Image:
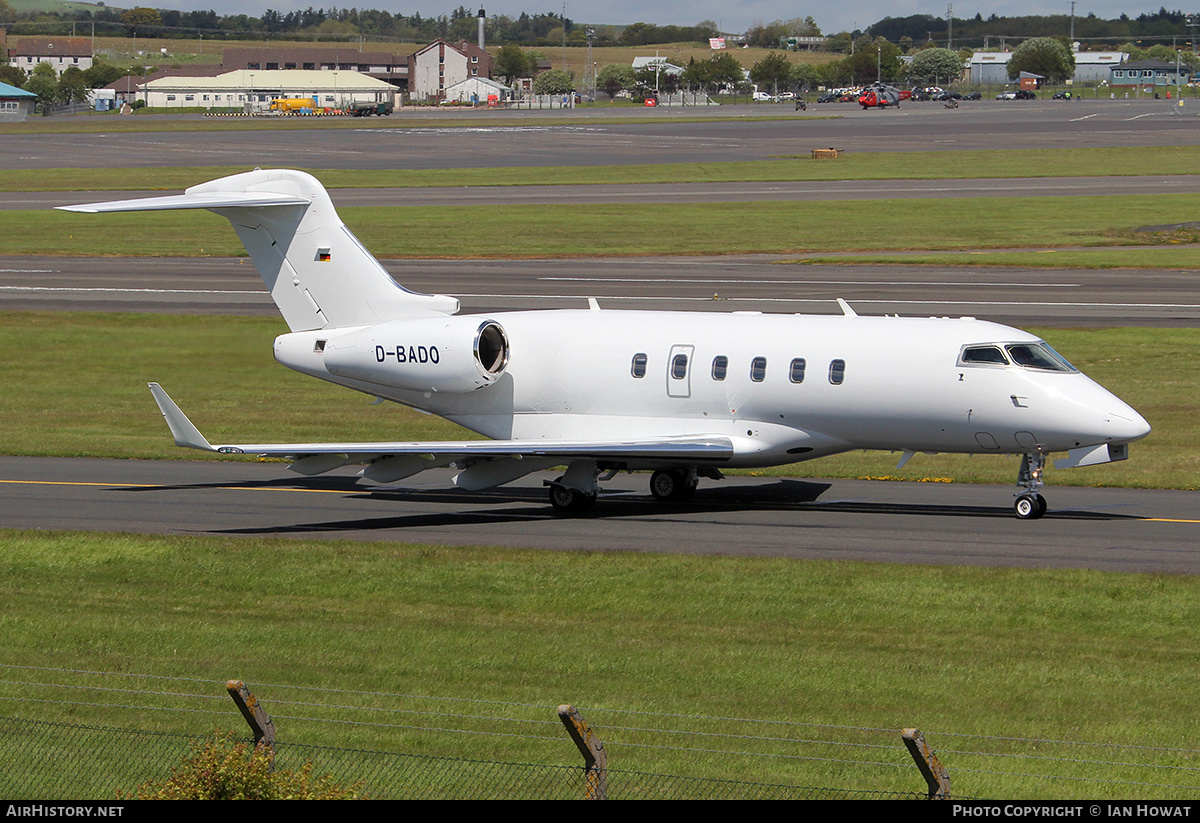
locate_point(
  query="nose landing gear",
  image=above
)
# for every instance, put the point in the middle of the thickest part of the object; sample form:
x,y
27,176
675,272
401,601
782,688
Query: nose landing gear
x,y
1030,505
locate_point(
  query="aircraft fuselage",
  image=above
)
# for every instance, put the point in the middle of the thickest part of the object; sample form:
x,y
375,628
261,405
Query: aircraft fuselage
x,y
784,388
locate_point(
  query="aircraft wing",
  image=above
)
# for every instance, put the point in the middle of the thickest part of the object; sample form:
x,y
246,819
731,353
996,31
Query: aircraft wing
x,y
404,458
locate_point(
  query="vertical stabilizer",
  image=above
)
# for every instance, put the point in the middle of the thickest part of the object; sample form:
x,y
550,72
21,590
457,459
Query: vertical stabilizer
x,y
318,273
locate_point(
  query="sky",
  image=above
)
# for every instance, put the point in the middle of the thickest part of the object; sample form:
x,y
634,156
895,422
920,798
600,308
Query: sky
x,y
730,15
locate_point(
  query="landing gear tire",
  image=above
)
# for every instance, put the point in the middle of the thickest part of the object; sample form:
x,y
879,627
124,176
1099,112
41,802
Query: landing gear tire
x,y
570,501
1029,506
671,486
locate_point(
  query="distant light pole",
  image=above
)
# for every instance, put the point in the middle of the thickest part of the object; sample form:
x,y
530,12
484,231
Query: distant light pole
x,y
590,31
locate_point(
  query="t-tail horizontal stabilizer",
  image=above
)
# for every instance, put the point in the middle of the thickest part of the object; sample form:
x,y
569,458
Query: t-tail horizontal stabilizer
x,y
319,274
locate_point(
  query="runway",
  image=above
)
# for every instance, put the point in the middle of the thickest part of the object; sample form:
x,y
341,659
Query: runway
x,y
927,523
444,140
1016,296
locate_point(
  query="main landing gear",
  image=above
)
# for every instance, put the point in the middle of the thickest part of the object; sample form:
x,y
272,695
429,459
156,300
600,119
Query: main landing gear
x,y
673,485
1030,505
569,501
575,492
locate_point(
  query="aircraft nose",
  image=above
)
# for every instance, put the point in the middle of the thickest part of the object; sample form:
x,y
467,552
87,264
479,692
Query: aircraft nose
x,y
1126,425
1102,417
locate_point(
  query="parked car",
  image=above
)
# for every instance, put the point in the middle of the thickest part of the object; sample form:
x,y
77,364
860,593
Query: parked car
x,y
786,95
972,95
1007,95
1025,94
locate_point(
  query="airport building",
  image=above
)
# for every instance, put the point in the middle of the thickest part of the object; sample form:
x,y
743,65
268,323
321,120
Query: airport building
x,y
60,53
991,67
15,104
1094,66
1147,73
440,65
478,90
387,66
254,90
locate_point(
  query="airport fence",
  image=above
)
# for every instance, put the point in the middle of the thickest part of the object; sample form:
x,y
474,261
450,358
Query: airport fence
x,y
61,761
90,735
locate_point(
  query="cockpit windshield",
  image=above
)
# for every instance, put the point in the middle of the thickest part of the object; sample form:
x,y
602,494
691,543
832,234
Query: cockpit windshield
x,y
1028,355
1037,356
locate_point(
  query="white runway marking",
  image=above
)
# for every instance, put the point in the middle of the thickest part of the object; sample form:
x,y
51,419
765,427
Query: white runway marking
x,y
854,300
702,281
128,291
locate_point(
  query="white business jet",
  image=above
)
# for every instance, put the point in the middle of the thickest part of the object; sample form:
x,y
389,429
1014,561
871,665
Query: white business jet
x,y
681,394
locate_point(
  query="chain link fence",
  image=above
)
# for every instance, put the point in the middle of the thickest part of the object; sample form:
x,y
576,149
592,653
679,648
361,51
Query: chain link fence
x,y
60,761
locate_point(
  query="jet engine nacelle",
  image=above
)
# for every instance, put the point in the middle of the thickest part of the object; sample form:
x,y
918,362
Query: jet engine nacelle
x,y
441,354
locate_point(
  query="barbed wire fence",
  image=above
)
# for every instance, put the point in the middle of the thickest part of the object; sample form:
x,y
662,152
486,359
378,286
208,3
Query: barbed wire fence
x,y
70,734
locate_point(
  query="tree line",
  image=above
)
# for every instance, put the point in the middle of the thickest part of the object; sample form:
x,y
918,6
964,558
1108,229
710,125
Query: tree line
x,y
552,29
543,28
977,30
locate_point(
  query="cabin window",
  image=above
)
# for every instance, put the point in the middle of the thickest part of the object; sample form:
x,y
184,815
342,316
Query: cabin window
x,y
758,369
837,372
679,366
720,367
796,372
639,365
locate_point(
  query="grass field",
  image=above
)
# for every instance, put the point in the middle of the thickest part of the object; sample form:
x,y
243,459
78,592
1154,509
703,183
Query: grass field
x,y
1076,162
1053,655
601,230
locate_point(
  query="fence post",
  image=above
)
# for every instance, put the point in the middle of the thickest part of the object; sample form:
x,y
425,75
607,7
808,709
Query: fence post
x,y
260,722
595,759
931,768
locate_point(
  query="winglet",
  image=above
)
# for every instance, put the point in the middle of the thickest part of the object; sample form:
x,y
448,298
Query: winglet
x,y
184,432
846,310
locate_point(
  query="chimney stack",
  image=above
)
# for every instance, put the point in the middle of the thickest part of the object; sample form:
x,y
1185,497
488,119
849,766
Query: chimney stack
x,y
482,17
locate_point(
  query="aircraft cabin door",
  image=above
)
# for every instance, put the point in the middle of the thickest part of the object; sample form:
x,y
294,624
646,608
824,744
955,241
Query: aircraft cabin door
x,y
679,371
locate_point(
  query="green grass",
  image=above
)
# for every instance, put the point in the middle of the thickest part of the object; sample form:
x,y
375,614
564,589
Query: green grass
x,y
686,229
1055,655
89,397
1072,162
